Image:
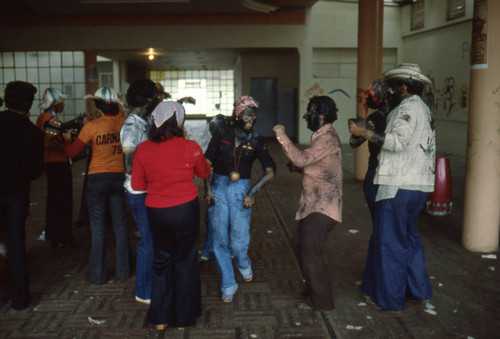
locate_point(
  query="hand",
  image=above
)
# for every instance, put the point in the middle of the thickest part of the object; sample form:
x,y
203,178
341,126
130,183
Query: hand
x,y
355,128
67,135
186,135
209,198
248,201
279,130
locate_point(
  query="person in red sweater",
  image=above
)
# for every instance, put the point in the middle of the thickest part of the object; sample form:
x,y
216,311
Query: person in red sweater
x,y
164,166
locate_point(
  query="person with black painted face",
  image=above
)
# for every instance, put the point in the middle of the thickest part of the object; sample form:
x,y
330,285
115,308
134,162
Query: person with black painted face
x,y
320,205
232,151
395,265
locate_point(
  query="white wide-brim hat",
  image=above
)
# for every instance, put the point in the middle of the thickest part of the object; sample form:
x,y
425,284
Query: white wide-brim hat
x,y
50,97
106,94
407,71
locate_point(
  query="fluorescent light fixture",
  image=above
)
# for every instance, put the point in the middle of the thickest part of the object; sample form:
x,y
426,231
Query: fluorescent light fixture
x,y
258,6
131,1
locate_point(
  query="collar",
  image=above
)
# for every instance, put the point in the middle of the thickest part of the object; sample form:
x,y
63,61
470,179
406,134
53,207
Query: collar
x,y
323,130
51,112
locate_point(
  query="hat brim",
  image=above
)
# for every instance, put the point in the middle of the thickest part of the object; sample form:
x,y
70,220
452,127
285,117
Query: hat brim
x,y
404,73
93,97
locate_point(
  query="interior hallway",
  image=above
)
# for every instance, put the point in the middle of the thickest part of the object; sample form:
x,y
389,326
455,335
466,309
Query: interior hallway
x,y
466,298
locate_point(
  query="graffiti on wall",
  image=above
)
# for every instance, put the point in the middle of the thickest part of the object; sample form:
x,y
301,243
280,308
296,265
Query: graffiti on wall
x,y
314,90
443,99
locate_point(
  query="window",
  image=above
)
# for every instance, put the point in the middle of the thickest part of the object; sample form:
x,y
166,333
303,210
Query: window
x,y
455,9
62,70
417,15
212,89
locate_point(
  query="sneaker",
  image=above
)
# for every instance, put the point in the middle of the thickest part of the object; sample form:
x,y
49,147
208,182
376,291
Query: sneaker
x,y
144,301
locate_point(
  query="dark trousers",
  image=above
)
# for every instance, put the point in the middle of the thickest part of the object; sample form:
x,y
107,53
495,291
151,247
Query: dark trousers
x,y
103,190
370,190
395,265
13,211
310,239
59,208
176,292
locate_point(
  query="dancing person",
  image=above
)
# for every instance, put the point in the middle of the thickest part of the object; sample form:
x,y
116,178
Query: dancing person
x,y
232,151
22,162
104,184
142,98
376,96
164,166
395,265
59,204
320,205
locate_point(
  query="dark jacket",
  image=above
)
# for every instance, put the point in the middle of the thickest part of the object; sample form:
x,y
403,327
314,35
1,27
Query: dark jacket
x,y
21,154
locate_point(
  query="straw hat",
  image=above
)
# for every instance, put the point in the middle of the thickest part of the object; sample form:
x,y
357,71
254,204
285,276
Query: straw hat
x,y
407,71
50,97
106,94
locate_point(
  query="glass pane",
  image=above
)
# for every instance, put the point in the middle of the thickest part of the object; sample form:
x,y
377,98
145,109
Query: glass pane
x,y
44,75
8,75
68,90
21,74
79,91
32,75
20,59
69,109
55,59
67,73
80,106
79,74
78,58
67,58
55,74
2,82
43,59
31,59
8,59
1,60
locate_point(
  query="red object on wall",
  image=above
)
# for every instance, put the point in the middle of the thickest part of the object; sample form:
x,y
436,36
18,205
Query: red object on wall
x,y
439,202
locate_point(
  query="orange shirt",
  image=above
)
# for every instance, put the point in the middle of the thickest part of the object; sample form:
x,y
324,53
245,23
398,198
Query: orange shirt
x,y
51,154
104,134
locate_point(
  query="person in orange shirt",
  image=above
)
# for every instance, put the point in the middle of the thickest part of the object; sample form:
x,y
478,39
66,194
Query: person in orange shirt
x,y
105,183
59,205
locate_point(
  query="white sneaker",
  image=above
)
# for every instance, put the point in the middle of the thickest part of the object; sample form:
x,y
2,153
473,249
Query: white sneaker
x,y
144,301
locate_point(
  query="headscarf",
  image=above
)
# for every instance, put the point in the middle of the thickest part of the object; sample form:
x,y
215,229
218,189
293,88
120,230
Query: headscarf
x,y
242,103
377,91
165,110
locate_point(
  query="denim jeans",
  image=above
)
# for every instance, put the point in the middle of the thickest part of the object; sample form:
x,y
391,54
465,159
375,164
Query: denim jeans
x,y
104,189
208,247
230,228
145,250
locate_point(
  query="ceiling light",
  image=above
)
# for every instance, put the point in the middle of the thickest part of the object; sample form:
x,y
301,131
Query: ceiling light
x,y
151,57
259,6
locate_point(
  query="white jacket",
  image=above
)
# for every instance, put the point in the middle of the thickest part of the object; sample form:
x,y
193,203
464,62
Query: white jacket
x,y
407,157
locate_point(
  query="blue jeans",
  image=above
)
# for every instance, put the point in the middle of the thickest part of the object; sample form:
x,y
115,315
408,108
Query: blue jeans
x,y
208,247
104,189
229,210
145,250
395,265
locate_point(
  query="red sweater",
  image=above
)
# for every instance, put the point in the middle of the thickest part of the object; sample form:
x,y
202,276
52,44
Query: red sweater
x,y
166,170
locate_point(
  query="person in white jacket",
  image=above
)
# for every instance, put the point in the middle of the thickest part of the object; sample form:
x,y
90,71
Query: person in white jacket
x,y
395,266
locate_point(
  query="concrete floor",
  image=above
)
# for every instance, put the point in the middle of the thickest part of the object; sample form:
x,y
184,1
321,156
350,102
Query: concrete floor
x,y
466,286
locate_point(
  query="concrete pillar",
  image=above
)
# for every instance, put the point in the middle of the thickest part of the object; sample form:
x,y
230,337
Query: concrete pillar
x,y
370,29
482,180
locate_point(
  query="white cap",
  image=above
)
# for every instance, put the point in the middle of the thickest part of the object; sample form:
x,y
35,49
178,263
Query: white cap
x,y
50,97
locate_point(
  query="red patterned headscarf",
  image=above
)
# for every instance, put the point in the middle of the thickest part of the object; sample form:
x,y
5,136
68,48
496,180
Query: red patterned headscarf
x,y
378,91
242,103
